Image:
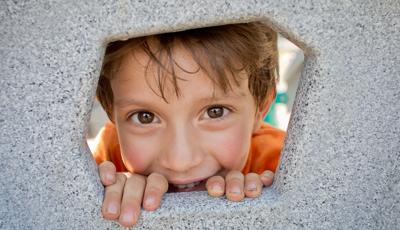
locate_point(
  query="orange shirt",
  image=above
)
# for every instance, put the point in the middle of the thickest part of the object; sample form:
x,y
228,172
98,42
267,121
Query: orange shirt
x,y
266,146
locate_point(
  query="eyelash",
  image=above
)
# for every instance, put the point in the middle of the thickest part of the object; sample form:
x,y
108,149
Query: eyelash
x,y
204,113
129,117
229,110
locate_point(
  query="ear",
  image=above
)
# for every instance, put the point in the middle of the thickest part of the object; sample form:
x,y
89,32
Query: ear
x,y
262,111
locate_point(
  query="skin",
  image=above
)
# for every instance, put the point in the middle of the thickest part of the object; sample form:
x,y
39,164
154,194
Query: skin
x,y
191,145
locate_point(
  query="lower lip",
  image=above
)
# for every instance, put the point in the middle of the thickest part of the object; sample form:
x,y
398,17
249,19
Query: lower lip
x,y
199,187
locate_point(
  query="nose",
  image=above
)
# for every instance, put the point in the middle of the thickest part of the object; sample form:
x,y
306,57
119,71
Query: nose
x,y
181,152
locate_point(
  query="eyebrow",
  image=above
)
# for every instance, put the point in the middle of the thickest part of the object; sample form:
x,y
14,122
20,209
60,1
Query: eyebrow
x,y
228,96
123,102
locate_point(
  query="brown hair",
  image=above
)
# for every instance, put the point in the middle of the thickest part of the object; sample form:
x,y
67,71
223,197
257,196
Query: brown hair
x,y
253,45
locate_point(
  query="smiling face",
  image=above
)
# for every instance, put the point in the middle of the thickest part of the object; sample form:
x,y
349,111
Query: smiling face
x,y
203,132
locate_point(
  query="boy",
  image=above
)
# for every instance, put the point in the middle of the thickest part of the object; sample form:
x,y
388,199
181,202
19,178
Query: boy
x,y
186,112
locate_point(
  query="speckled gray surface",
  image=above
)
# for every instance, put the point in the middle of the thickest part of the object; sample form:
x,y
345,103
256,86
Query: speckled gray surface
x,y
340,165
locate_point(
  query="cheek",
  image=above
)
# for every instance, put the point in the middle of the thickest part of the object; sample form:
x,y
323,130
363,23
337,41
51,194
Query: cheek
x,y
231,147
137,153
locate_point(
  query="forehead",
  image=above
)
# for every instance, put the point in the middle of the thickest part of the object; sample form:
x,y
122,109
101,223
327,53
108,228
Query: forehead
x,y
139,60
138,71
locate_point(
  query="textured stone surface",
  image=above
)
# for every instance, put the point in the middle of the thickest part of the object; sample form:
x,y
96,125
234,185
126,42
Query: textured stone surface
x,y
340,165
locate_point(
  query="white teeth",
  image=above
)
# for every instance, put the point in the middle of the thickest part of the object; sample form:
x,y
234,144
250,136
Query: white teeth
x,y
184,186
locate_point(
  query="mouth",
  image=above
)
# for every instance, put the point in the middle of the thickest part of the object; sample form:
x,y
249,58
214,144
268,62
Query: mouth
x,y
190,187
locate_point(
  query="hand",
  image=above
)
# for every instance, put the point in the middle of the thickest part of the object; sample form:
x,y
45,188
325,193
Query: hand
x,y
125,192
236,186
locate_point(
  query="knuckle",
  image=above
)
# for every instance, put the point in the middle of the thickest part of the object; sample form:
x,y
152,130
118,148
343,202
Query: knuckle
x,y
121,178
133,203
111,189
153,193
157,182
112,193
234,174
137,179
157,177
154,190
112,200
127,174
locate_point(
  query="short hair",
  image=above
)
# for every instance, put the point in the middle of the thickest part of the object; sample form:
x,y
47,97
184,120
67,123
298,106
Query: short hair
x,y
215,49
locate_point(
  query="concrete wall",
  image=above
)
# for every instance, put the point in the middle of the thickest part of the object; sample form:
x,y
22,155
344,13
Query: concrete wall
x,y
340,165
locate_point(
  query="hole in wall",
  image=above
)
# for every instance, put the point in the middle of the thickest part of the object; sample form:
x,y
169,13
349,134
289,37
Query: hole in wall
x,y
291,59
290,66
291,62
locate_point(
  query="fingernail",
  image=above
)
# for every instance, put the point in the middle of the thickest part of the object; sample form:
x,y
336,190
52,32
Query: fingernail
x,y
150,200
112,208
235,190
216,188
127,217
251,187
268,174
110,177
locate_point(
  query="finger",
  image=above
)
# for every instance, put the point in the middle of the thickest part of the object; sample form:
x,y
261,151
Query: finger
x,y
267,178
234,181
156,186
107,173
215,186
132,200
112,198
253,185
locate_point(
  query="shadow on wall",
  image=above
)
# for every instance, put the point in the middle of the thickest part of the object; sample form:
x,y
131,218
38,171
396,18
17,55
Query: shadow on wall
x,y
291,59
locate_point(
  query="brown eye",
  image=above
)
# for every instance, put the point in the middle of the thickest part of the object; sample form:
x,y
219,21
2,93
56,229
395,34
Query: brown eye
x,y
144,117
215,112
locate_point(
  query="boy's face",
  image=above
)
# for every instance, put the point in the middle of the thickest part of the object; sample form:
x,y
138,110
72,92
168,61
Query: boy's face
x,y
202,133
